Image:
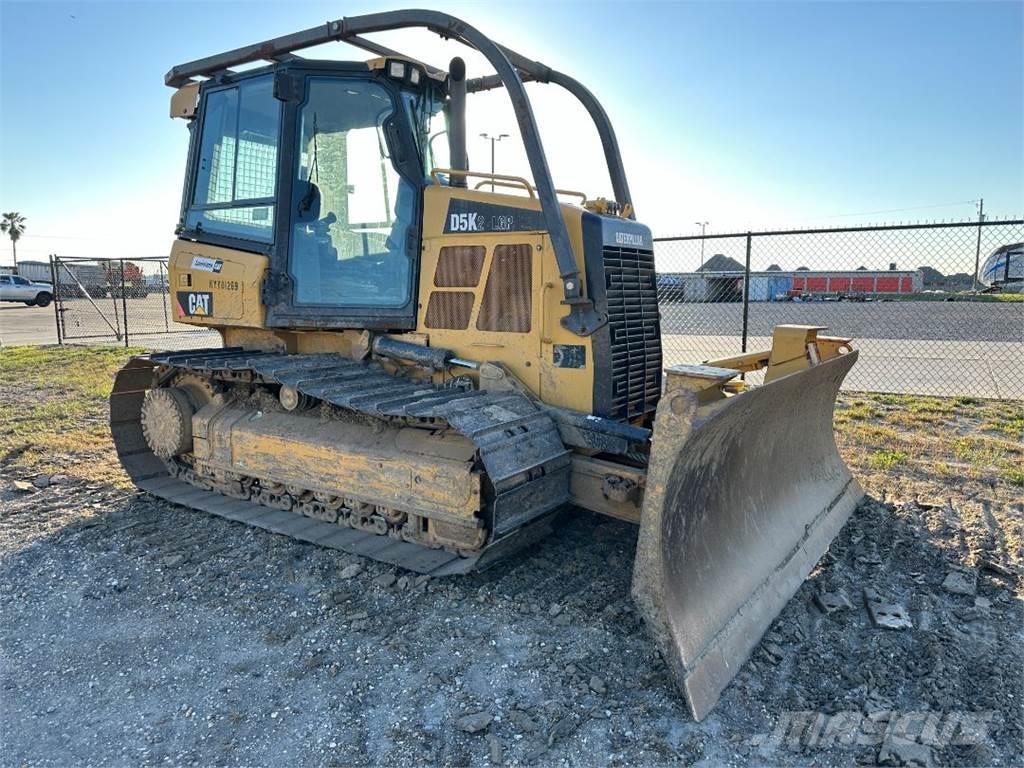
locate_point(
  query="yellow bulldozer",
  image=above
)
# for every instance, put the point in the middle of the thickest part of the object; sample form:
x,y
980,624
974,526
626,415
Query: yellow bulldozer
x,y
422,364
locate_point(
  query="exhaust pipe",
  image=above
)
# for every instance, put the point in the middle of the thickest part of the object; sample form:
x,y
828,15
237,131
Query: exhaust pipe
x,y
457,120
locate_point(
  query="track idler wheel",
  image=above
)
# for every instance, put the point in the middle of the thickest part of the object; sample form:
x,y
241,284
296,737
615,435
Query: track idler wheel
x,y
167,421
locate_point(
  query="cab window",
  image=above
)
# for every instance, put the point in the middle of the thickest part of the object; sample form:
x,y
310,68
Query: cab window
x,y
351,210
430,124
233,194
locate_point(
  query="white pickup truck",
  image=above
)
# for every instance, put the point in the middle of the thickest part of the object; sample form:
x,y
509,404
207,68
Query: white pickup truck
x,y
18,288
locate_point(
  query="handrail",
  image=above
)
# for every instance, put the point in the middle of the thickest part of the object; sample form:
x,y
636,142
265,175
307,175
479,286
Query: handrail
x,y
498,178
582,196
495,183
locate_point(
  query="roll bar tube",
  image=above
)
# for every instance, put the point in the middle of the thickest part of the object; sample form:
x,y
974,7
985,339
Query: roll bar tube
x,y
583,319
541,74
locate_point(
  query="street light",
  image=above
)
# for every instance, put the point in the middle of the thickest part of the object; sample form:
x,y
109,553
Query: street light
x,y
493,140
703,225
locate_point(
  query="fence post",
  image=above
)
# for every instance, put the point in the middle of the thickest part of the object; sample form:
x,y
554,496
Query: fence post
x,y
746,292
165,287
56,300
124,305
108,264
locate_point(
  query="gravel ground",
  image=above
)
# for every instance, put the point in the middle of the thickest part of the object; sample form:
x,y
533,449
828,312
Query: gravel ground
x,y
134,631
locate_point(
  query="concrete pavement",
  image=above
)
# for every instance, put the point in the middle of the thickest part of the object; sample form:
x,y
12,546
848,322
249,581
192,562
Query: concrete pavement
x,y
988,369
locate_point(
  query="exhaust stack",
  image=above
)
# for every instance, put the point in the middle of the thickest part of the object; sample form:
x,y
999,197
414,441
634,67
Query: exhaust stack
x,y
457,120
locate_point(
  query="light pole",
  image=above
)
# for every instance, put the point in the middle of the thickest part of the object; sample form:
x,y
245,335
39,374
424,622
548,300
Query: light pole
x,y
977,245
494,140
703,225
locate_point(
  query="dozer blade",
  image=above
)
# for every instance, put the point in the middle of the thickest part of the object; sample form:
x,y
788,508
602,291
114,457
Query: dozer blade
x,y
743,497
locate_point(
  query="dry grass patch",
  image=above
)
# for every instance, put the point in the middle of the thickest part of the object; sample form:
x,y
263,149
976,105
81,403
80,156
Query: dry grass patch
x,y
943,441
1011,425
53,409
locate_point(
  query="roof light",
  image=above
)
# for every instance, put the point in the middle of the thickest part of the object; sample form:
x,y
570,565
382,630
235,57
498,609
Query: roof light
x,y
414,76
396,69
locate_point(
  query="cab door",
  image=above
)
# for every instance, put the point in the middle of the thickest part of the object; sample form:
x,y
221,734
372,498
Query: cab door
x,y
348,245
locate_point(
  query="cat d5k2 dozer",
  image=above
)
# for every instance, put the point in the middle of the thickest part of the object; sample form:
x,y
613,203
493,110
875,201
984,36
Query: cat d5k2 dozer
x,y
422,371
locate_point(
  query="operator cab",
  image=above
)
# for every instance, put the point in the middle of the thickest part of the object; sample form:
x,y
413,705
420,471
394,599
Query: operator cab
x,y
350,146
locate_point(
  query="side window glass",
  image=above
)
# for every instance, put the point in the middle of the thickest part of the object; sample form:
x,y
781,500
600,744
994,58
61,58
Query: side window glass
x,y
237,165
215,180
431,126
352,211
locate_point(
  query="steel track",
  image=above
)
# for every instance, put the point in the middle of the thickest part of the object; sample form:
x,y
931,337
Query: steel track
x,y
507,434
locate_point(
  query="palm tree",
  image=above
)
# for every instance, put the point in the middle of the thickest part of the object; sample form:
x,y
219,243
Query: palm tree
x,y
13,224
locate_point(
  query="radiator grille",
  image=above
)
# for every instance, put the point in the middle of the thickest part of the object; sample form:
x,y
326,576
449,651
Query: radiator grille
x,y
635,331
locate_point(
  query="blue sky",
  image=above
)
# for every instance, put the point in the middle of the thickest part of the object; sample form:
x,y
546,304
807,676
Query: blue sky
x,y
743,114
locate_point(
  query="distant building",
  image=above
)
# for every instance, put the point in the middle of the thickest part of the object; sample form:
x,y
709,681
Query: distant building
x,y
932,277
776,285
859,282
38,271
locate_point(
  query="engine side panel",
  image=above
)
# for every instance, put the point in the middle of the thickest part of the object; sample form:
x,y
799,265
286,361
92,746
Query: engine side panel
x,y
555,364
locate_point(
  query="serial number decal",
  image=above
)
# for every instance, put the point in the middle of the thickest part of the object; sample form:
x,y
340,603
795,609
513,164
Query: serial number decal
x,y
471,216
195,303
226,285
205,264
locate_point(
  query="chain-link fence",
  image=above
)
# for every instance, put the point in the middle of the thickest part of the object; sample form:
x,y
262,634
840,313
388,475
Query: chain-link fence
x,y
119,301
934,308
